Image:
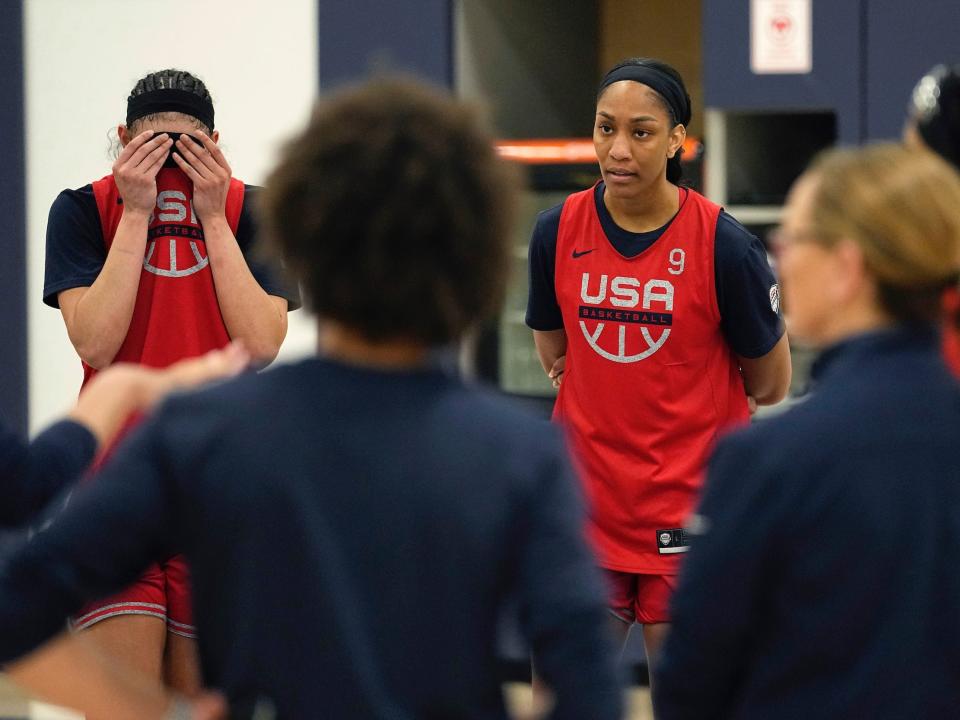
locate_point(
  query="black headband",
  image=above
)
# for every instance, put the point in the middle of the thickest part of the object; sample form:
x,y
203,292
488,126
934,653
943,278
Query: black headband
x,y
657,80
170,100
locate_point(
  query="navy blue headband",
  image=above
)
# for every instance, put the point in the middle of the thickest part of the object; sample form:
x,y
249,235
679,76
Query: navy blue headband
x,y
170,100
657,80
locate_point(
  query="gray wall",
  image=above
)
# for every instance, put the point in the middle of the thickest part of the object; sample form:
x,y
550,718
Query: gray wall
x,y
867,56
360,37
13,239
834,83
904,40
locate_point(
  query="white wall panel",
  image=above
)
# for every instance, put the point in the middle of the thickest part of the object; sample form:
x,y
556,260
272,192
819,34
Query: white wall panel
x,y
82,57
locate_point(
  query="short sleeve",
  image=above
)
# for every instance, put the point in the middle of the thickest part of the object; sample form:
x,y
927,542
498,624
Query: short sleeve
x,y
271,277
75,250
33,475
543,310
747,291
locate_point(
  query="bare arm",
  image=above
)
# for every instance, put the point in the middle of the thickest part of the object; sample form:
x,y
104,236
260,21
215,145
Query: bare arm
x,y
552,349
98,317
69,671
767,378
250,314
121,389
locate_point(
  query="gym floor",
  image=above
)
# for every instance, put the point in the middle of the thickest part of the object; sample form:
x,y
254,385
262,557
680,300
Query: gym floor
x,y
14,706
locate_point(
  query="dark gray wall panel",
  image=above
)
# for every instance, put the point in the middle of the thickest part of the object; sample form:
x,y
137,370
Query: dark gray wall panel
x,y
360,37
835,82
13,263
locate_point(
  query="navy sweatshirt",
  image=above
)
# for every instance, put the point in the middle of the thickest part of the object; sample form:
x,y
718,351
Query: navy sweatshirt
x,y
353,537
32,474
826,580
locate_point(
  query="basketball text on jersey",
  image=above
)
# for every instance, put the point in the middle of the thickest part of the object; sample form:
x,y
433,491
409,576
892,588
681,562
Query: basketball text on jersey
x,y
168,261
655,311
649,380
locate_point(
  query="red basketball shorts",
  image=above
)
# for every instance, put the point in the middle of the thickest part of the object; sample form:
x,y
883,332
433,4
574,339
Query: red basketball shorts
x,y
639,598
163,591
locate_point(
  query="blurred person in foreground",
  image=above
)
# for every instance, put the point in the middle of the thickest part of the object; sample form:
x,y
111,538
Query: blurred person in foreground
x,y
933,122
357,520
824,579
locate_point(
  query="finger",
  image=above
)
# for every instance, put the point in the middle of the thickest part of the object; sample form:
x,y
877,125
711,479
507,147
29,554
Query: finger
x,y
237,352
157,155
558,366
188,169
151,171
131,147
199,156
751,404
215,152
146,155
139,155
210,707
215,364
231,360
193,159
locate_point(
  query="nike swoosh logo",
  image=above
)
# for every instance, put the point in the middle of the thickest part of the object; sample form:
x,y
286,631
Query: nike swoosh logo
x,y
581,254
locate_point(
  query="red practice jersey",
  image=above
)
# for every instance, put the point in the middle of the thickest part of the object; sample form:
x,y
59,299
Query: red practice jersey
x,y
649,379
176,315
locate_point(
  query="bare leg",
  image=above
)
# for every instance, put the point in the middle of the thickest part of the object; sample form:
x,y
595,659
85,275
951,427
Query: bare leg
x,y
620,631
181,665
134,641
653,637
542,701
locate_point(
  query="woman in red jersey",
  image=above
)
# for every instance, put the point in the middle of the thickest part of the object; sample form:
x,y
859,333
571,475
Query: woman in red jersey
x,y
934,123
152,264
660,315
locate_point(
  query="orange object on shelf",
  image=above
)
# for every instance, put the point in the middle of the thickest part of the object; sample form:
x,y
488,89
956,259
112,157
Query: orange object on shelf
x,y
562,151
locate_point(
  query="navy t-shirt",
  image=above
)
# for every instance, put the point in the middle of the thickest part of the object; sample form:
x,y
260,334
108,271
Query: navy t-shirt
x,y
743,277
76,250
354,535
32,475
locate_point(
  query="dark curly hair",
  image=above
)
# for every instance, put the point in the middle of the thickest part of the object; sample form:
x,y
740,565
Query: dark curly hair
x,y
170,79
393,210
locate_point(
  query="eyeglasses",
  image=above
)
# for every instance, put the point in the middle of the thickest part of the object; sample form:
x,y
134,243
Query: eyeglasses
x,y
780,239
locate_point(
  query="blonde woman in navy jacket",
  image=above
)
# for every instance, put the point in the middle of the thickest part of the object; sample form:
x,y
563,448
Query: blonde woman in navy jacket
x,y
824,582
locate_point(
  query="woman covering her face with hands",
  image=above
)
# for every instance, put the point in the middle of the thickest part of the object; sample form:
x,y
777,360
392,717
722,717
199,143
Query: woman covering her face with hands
x,y
152,264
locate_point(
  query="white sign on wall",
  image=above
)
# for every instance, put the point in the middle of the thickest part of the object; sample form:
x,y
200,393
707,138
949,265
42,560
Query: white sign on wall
x,y
781,36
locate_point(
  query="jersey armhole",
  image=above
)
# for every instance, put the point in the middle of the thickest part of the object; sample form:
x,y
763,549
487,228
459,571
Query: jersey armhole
x,y
712,260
